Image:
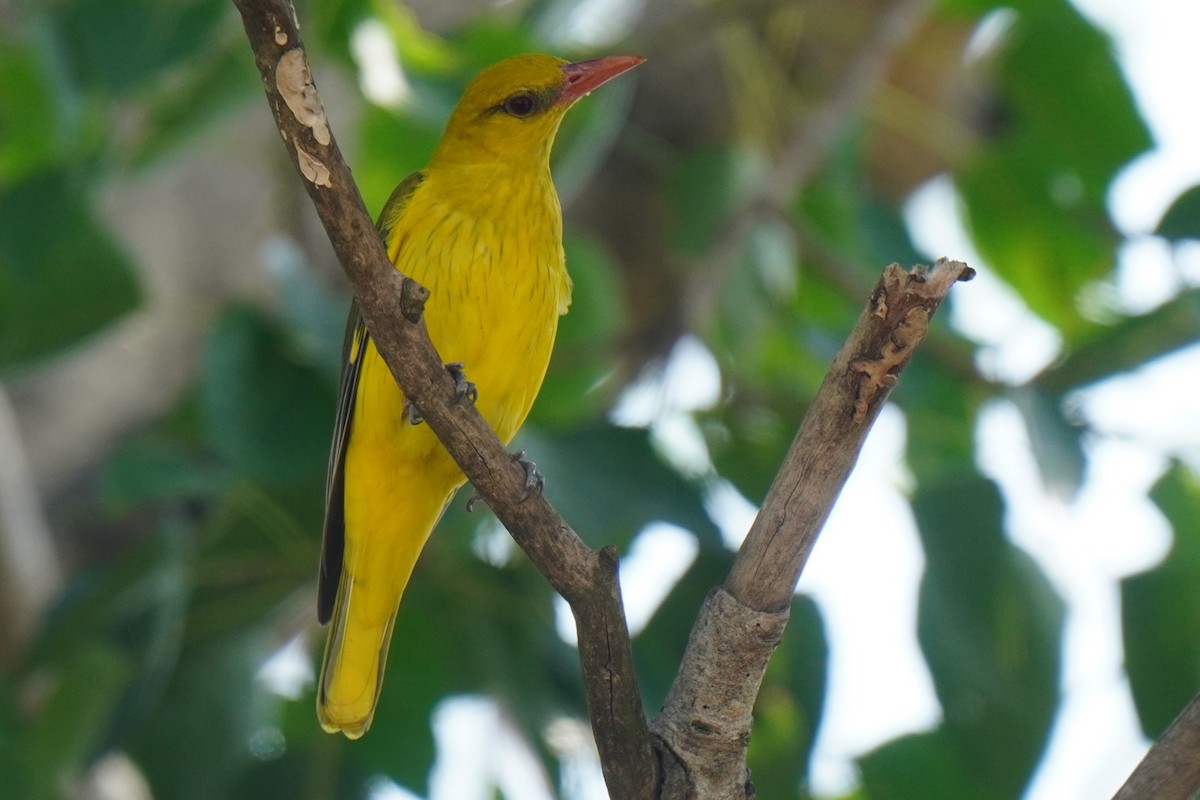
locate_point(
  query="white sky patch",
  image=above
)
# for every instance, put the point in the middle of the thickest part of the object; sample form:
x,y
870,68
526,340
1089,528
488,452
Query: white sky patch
x,y
380,74
729,509
595,24
1156,43
1147,274
989,34
678,438
690,380
864,572
658,557
387,789
1016,343
580,774
479,750
492,543
288,672
1155,405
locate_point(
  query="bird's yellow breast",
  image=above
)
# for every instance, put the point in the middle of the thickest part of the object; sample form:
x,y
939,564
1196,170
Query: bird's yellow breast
x,y
488,247
487,244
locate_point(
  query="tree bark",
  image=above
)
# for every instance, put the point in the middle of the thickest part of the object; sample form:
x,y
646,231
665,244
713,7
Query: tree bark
x,y
1171,770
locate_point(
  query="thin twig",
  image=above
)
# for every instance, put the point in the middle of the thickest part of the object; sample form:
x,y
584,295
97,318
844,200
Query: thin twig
x,y
30,572
390,304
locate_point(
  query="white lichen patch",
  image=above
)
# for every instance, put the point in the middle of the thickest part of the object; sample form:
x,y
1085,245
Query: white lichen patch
x,y
313,169
295,85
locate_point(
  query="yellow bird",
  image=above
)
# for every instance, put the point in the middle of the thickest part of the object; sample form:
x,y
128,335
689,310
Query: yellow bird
x,y
481,228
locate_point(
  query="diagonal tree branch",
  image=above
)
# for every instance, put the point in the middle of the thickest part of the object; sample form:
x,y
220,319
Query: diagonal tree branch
x,y
704,727
896,319
1171,770
391,305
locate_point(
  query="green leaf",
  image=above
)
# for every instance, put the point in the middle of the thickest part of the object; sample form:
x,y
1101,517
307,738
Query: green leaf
x,y
701,190
940,410
393,147
587,337
748,442
1126,345
15,755
315,317
1160,612
927,766
1046,252
121,45
1056,442
199,740
29,117
624,486
991,628
201,90
268,415
1182,220
1060,77
77,713
136,609
1036,199
155,469
62,277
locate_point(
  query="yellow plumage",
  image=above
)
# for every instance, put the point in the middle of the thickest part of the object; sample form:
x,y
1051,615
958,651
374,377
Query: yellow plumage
x,y
480,227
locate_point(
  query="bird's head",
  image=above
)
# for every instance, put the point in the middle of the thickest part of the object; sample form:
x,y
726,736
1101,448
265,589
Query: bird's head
x,y
512,110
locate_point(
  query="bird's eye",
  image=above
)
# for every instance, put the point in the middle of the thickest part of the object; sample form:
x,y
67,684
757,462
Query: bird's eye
x,y
520,105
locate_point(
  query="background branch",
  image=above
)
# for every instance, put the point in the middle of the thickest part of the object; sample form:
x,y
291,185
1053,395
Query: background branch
x,y
30,572
389,302
804,151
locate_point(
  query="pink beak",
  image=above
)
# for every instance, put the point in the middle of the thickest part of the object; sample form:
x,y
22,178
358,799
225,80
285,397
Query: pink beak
x,y
584,76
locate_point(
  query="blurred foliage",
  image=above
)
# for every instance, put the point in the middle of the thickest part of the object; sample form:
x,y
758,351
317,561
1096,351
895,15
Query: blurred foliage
x,y
209,514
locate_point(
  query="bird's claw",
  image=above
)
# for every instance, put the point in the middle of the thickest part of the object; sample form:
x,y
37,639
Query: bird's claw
x,y
535,481
472,500
463,388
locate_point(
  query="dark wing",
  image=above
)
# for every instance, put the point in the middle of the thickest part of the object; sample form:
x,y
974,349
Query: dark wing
x,y
334,537
354,349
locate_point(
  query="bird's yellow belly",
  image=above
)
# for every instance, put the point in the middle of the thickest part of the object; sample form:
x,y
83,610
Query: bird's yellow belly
x,y
494,307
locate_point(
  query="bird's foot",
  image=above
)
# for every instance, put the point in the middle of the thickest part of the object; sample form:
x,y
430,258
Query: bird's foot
x,y
464,390
535,481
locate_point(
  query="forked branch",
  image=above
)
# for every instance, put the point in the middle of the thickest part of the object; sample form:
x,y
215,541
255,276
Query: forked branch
x,y
701,735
